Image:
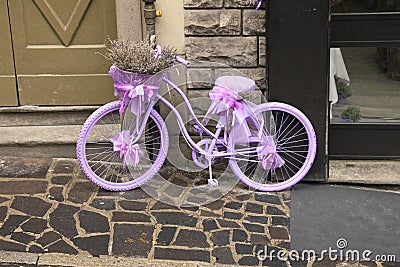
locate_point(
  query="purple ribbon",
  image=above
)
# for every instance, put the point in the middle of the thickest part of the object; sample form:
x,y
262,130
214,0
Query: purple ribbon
x,y
223,101
258,3
268,155
122,144
131,91
227,97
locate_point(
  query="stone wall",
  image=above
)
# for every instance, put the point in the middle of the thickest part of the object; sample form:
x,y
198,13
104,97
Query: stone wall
x,y
229,32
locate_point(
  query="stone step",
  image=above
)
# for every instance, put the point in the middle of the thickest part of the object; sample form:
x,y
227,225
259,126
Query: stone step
x,y
34,115
32,131
39,141
384,172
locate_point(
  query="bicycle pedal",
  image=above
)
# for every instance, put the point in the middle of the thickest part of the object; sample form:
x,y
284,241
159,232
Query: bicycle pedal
x,y
213,182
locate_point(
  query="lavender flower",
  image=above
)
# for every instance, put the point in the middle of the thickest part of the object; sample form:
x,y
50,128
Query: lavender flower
x,y
139,57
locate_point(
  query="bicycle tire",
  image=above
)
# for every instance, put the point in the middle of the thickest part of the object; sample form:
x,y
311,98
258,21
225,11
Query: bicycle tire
x,y
102,125
296,132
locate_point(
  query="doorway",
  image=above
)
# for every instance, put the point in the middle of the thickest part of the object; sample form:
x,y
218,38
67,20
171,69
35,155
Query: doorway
x,y
304,38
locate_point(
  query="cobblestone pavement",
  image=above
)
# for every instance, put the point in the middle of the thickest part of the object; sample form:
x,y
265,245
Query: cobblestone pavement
x,y
48,206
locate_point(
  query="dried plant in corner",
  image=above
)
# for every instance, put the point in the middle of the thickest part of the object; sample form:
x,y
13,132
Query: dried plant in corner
x,y
352,113
139,57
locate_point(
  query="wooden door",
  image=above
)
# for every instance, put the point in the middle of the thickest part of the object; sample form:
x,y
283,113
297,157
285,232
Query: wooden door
x,y
8,90
56,46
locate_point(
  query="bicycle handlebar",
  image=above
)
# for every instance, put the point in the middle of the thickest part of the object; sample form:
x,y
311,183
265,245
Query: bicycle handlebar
x,y
182,61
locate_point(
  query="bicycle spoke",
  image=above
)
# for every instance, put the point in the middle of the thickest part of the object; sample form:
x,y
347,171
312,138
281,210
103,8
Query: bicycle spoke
x,y
293,152
293,136
296,146
297,134
283,137
109,167
99,153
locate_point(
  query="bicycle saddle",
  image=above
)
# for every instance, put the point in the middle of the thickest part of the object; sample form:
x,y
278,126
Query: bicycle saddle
x,y
236,83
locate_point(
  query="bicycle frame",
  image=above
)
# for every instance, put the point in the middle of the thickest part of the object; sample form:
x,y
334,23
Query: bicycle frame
x,y
188,138
181,123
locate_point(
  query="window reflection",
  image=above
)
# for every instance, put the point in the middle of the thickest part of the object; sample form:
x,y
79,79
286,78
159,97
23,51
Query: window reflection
x,y
364,6
365,85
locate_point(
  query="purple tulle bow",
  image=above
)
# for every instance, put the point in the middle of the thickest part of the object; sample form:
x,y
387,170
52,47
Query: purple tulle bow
x,y
130,153
268,155
230,105
225,99
131,91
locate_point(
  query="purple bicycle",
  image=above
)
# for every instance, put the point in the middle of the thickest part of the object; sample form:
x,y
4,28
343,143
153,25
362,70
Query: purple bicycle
x,y
123,144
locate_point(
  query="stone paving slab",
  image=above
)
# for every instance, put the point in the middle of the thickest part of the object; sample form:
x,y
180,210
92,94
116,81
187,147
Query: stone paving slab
x,y
24,168
21,258
60,213
88,261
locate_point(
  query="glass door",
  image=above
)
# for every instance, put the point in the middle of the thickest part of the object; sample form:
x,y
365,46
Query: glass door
x,y
364,85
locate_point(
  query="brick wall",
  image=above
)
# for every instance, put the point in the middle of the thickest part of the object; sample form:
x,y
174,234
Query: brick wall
x,y
228,32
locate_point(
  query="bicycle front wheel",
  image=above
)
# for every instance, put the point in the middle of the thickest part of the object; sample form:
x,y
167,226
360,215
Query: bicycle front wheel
x,y
106,167
295,143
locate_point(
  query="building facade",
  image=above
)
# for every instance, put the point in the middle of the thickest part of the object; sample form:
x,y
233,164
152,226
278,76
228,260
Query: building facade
x,y
51,57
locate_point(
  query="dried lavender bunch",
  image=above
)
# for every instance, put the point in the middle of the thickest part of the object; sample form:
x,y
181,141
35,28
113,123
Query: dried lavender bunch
x,y
139,57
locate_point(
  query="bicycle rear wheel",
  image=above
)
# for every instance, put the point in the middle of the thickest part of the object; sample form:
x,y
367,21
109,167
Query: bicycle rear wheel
x,y
295,142
104,166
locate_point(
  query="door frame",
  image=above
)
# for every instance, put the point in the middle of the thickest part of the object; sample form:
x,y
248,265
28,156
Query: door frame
x,y
298,65
129,20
